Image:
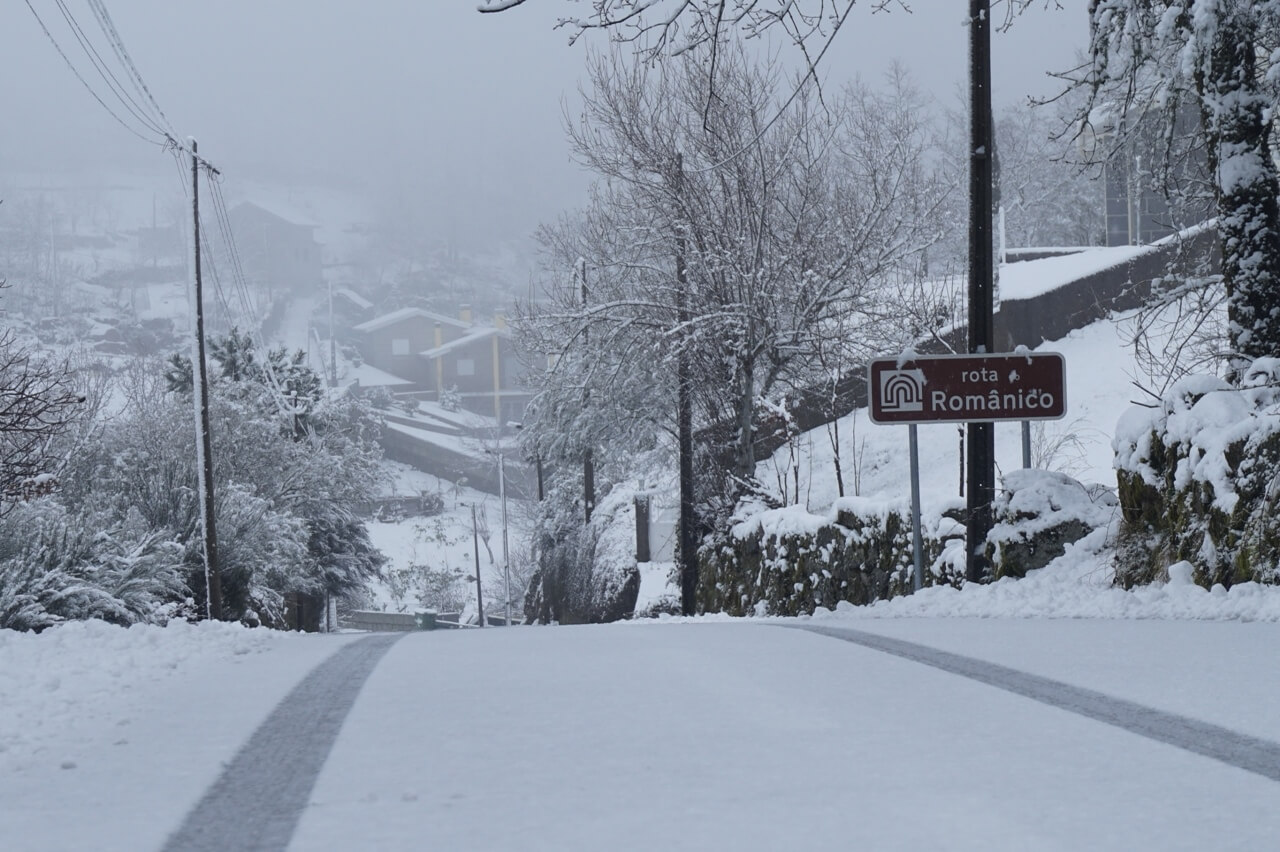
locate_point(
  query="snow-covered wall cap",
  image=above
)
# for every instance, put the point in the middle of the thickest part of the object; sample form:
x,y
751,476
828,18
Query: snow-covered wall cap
x,y
1262,372
1184,393
789,520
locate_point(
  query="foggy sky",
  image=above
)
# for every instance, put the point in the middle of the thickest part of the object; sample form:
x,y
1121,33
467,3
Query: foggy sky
x,y
452,112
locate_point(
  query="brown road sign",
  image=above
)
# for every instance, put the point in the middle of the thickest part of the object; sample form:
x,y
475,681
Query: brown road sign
x,y
968,388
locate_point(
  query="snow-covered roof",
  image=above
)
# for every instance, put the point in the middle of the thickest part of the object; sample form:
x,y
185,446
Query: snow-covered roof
x,y
476,336
354,298
408,313
369,376
249,208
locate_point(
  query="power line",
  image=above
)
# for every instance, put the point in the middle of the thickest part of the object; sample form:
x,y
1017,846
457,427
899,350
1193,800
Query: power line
x,y
117,44
85,83
108,76
146,110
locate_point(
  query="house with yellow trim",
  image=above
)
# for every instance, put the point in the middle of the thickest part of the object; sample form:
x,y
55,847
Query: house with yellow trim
x,y
439,356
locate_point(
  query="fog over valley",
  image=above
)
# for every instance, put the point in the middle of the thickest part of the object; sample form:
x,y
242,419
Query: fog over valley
x,y
427,112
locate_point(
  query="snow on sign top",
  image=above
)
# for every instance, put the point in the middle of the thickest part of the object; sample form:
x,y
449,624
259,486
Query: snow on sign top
x,y
968,388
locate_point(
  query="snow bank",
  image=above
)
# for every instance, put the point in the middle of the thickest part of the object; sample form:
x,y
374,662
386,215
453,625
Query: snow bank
x,y
1078,585
48,680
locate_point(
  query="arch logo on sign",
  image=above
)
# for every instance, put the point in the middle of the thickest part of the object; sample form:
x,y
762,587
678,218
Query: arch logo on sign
x,y
902,391
968,388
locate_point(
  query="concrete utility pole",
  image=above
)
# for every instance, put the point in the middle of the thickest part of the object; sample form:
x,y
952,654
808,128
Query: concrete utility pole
x,y
200,394
981,443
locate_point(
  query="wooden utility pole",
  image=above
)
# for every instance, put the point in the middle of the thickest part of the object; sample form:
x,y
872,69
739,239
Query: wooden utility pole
x,y
981,443
688,540
200,394
588,460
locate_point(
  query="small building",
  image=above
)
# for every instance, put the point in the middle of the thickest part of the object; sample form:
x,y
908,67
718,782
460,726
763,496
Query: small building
x,y
481,367
391,342
440,356
275,252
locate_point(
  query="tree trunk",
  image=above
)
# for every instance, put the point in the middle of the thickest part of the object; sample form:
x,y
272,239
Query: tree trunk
x,y
1247,187
745,462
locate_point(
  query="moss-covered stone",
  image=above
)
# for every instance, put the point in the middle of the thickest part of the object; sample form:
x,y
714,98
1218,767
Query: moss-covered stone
x,y
858,559
1170,516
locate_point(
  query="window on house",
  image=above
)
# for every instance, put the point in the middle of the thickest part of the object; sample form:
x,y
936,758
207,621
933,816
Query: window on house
x,y
466,367
400,346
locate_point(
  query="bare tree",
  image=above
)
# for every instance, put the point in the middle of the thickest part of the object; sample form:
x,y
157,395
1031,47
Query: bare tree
x,y
39,402
674,27
1049,198
789,233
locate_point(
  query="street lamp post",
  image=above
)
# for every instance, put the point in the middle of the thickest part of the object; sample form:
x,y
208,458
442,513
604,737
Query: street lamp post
x,y
506,558
475,546
506,550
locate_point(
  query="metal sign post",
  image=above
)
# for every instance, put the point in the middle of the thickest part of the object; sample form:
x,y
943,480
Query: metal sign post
x,y
918,389
917,540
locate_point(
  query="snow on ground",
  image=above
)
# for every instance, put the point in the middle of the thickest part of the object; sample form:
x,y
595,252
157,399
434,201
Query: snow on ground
x,y
745,736
677,736
1099,390
1078,585
108,735
1026,279
442,542
1224,672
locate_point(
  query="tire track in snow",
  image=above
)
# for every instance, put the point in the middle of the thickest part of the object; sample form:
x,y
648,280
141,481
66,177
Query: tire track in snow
x,y
258,799
1252,754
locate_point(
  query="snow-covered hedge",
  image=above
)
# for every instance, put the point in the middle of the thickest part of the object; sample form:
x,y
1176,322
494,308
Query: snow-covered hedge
x,y
1199,480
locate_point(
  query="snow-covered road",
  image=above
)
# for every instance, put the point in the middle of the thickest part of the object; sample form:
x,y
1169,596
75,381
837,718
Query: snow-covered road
x,y
707,735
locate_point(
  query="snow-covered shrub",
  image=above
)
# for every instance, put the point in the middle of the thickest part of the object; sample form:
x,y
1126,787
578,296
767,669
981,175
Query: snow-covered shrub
x,y
56,567
285,482
1199,480
587,573
790,562
379,398
1037,514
